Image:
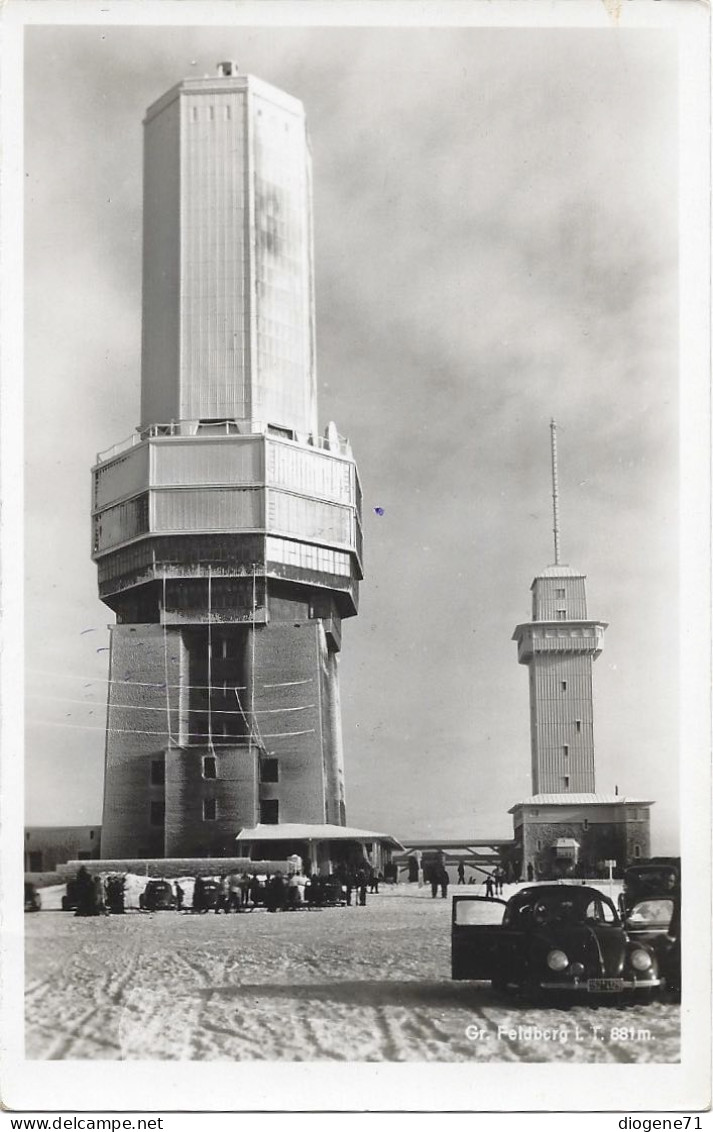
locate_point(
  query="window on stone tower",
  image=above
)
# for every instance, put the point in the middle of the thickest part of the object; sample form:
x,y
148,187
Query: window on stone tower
x,y
586,823
637,850
157,813
210,767
559,593
209,809
269,770
269,811
565,751
563,685
561,614
578,722
566,782
158,772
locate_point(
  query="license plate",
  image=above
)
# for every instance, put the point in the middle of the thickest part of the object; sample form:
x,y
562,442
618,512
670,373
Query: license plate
x,y
605,984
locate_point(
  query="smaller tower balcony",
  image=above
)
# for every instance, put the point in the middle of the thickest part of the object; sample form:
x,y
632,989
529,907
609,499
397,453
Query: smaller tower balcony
x,y
539,637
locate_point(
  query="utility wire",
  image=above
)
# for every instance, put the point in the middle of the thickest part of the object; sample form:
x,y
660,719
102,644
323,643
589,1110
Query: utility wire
x,y
148,684
137,731
139,707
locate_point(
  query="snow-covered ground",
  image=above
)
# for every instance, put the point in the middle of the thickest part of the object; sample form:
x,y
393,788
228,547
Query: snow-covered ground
x,y
355,984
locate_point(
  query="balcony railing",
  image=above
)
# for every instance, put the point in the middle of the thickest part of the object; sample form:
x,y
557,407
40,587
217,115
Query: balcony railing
x,y
335,443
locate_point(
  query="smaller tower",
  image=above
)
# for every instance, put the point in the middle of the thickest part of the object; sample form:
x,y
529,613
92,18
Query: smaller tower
x,y
559,647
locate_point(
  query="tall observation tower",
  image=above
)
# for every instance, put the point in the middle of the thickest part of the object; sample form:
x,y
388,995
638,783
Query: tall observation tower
x,y
565,828
559,647
226,531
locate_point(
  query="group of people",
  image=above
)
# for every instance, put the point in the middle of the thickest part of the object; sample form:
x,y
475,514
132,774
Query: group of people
x,y
234,892
494,884
279,891
438,876
358,881
95,897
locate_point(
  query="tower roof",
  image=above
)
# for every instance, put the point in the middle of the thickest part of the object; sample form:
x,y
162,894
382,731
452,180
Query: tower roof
x,y
580,800
559,571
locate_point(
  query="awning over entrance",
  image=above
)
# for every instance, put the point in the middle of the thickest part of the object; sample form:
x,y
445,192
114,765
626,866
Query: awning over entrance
x,y
315,834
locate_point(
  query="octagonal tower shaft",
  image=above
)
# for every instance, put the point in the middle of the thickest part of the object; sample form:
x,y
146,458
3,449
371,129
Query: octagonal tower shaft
x,y
228,305
226,531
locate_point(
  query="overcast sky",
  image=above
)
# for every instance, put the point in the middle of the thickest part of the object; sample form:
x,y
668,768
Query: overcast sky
x,y
496,243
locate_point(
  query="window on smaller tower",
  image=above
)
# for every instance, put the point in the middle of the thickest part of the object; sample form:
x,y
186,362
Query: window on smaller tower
x,y
561,614
637,850
210,766
563,685
586,824
194,113
578,724
559,593
565,750
209,809
158,772
566,782
539,846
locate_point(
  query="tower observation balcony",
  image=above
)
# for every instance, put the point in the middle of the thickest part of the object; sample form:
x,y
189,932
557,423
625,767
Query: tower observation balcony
x,y
193,499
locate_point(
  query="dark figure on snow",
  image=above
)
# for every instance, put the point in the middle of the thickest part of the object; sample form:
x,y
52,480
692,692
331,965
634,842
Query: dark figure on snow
x,y
349,884
179,897
433,879
276,893
444,881
530,872
86,905
489,887
115,895
461,873
199,896
362,883
255,889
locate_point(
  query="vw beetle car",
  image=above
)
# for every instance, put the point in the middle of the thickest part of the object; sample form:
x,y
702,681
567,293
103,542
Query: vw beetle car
x,y
158,896
551,938
656,922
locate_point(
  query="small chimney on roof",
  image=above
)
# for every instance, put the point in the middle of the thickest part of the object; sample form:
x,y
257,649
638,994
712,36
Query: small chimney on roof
x,y
228,70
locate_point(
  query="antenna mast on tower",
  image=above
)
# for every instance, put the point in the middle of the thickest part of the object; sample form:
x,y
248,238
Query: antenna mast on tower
x,y
555,491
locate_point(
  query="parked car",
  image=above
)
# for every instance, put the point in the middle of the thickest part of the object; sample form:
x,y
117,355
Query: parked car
x,y
656,922
211,891
33,901
552,938
655,877
158,896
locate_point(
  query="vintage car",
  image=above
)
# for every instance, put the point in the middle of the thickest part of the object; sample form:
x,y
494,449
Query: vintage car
x,y
551,938
33,901
656,877
656,922
158,896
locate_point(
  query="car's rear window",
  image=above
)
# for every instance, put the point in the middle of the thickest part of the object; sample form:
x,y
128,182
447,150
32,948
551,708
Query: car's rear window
x,y
478,912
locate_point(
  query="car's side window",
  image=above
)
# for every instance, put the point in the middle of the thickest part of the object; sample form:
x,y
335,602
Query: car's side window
x,y
477,912
594,911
